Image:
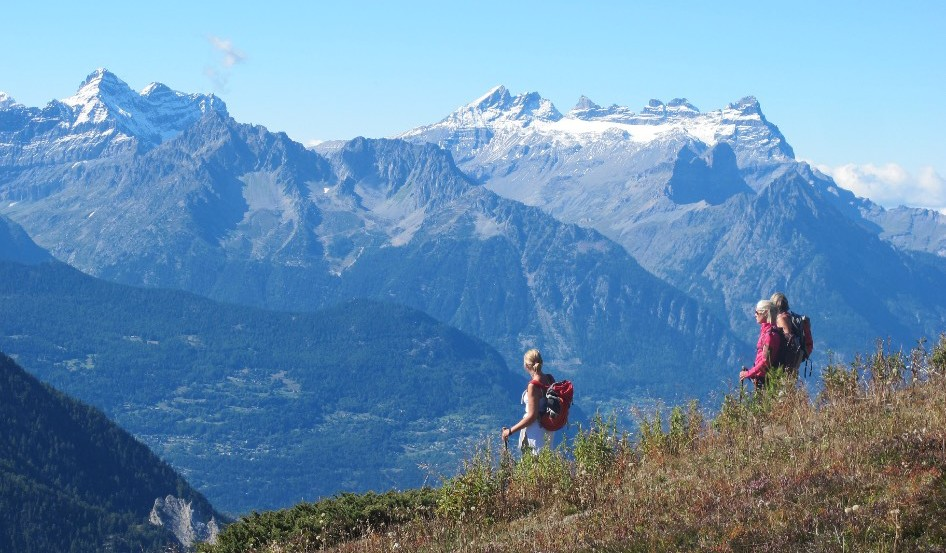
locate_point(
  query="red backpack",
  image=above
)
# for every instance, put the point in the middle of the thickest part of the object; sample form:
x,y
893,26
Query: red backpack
x,y
558,398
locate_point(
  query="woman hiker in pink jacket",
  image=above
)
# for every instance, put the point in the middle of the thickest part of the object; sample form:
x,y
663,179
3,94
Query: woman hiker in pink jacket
x,y
767,348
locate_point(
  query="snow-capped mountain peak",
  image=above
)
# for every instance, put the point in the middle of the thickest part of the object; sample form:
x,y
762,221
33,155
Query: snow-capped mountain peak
x,y
7,101
680,106
99,83
499,113
499,107
534,106
101,94
496,97
586,110
153,116
655,107
156,89
106,117
578,165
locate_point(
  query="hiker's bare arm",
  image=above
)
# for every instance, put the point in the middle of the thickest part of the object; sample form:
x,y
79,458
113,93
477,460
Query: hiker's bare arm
x,y
532,411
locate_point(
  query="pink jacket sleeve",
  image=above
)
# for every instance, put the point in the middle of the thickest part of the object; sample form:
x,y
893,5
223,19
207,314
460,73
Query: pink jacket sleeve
x,y
761,360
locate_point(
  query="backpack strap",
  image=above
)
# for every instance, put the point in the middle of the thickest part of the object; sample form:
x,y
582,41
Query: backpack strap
x,y
540,384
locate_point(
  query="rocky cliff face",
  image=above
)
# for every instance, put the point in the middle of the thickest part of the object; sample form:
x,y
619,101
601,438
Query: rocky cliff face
x,y
509,273
189,527
920,230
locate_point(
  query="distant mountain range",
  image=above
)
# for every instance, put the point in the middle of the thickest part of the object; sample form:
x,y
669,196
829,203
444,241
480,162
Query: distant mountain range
x,y
714,203
239,214
71,480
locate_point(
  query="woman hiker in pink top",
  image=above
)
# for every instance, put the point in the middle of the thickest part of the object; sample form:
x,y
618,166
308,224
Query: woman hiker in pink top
x,y
770,340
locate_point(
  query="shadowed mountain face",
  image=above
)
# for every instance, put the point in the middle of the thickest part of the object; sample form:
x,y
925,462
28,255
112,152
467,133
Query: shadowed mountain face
x,y
715,204
16,245
713,180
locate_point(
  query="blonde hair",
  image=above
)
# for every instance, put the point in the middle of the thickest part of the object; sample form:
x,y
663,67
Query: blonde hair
x,y
769,308
533,360
780,301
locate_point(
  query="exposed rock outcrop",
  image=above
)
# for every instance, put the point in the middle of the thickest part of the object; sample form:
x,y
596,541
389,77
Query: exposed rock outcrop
x,y
188,526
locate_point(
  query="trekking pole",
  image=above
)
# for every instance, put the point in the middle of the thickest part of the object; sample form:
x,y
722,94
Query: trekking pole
x,y
505,463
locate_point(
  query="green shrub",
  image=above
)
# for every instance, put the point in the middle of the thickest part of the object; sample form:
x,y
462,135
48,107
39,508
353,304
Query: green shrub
x,y
474,491
650,433
325,523
685,427
937,359
733,412
840,382
540,481
596,449
886,369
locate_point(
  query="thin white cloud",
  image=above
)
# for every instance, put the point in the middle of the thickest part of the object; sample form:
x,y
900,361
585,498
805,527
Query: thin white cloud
x,y
231,56
891,185
219,73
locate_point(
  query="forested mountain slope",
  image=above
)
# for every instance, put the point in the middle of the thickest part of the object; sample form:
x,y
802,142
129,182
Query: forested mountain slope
x,y
72,480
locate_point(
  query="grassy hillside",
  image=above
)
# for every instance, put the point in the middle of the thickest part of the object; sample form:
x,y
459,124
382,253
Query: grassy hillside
x,y
860,466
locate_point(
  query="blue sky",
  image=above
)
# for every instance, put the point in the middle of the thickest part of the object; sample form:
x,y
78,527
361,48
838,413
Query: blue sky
x,y
857,88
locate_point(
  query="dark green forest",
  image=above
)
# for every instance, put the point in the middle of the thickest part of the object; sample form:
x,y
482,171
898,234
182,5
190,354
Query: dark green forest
x,y
73,481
